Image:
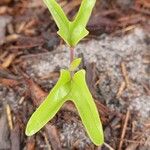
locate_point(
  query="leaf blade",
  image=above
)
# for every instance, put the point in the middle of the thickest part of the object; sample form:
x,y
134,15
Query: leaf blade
x,y
78,26
71,32
60,18
86,107
51,104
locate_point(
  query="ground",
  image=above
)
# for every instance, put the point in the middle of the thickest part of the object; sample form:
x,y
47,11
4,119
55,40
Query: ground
x,y
115,56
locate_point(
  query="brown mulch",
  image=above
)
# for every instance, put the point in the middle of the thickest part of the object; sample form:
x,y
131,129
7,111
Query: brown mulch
x,y
26,28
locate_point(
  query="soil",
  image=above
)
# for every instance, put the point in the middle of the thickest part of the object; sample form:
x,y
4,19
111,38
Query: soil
x,y
116,57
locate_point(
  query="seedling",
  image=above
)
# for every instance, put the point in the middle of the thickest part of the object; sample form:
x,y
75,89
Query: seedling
x,y
71,84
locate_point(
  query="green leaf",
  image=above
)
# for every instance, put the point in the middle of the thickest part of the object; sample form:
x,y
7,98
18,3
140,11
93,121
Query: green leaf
x,y
86,107
75,64
71,32
60,18
51,104
76,90
78,26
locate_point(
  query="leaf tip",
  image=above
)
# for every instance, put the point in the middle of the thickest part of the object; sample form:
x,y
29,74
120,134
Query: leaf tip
x,y
99,142
29,131
75,64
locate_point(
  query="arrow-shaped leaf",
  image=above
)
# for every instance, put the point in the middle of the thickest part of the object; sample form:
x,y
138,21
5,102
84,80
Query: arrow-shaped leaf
x,y
78,26
84,102
71,32
74,89
51,104
60,19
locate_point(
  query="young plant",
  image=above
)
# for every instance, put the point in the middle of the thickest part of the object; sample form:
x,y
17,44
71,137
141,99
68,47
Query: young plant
x,y
71,84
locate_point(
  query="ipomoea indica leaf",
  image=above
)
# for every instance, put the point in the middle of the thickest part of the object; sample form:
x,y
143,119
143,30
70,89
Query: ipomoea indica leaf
x,y
74,89
71,31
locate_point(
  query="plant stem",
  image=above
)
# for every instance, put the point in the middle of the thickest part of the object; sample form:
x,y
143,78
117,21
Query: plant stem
x,y
71,58
71,54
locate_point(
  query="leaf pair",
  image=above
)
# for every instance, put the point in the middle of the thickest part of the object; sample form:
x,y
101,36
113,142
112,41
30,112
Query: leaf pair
x,y
74,89
71,32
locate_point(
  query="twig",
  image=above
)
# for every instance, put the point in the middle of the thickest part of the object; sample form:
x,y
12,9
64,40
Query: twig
x,y
9,117
21,100
9,38
71,54
129,28
30,143
124,129
47,142
125,74
131,141
53,136
132,146
146,87
147,125
8,60
144,11
108,146
121,89
71,5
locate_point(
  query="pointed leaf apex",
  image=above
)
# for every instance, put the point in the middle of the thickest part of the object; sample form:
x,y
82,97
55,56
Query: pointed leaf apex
x,y
75,64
